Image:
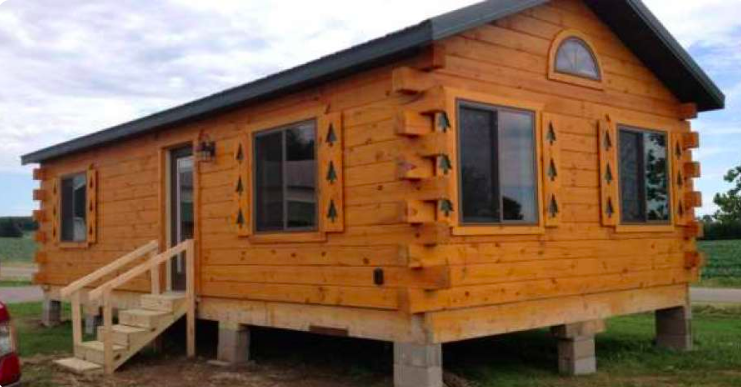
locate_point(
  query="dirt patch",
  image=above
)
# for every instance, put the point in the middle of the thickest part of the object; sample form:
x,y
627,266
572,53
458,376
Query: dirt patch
x,y
40,371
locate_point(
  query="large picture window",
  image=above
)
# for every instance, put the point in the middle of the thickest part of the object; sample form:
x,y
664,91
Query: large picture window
x,y
285,178
498,175
74,208
644,176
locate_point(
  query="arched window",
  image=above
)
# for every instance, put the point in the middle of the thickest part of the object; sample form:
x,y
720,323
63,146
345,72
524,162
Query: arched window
x,y
573,60
576,58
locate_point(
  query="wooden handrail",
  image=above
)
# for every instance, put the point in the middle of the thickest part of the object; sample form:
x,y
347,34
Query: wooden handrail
x,y
137,271
107,269
151,265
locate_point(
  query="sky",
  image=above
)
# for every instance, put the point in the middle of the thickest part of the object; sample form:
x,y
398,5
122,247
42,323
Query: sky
x,y
72,67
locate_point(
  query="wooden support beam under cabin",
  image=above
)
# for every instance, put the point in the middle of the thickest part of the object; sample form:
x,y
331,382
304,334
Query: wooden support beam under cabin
x,y
688,111
691,140
412,124
407,80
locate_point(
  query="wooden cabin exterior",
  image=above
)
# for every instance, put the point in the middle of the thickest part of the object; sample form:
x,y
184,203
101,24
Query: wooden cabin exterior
x,y
363,205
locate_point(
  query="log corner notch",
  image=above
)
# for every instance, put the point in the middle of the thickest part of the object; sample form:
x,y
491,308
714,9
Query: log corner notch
x,y
687,111
39,174
418,77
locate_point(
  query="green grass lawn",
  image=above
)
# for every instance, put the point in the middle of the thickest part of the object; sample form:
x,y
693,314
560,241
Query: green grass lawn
x,y
724,263
17,250
626,355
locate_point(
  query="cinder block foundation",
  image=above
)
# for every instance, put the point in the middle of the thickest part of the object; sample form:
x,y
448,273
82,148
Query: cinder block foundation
x,y
576,347
51,313
234,344
418,365
674,328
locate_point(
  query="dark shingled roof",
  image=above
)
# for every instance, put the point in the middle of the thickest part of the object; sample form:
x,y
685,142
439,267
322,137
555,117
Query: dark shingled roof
x,y
629,19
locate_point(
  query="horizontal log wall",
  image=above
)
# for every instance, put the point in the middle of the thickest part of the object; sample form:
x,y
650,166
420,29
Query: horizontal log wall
x,y
509,58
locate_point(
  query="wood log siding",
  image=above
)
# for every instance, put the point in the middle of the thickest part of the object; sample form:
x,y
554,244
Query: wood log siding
x,y
583,259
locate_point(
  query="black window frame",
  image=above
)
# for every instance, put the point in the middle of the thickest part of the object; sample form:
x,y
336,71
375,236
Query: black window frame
x,y
283,129
63,224
591,52
642,176
462,104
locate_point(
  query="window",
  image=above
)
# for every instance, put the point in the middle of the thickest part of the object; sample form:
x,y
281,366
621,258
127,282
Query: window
x,y
285,178
498,183
576,58
644,176
74,211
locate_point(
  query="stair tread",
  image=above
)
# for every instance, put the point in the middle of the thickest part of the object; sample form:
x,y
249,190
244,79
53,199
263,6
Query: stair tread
x,y
146,312
167,296
78,366
128,329
97,345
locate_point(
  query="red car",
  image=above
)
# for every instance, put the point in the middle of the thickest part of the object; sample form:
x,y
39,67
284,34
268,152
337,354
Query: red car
x,y
10,365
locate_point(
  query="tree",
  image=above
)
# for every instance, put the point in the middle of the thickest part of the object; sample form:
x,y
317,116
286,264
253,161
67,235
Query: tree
x,y
9,228
730,202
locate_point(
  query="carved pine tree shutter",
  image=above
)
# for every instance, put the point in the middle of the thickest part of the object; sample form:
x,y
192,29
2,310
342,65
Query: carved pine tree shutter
x,y
610,198
242,187
56,216
679,181
551,170
92,205
330,166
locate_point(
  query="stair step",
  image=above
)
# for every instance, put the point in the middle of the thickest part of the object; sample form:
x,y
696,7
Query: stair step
x,y
79,366
93,351
166,302
142,318
124,335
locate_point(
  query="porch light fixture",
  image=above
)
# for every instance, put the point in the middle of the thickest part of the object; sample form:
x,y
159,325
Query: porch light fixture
x,y
206,150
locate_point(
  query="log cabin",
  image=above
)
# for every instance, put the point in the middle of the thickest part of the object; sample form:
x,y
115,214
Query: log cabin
x,y
513,165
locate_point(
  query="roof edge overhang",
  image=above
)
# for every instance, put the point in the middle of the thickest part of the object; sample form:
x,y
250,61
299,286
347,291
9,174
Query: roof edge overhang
x,y
398,45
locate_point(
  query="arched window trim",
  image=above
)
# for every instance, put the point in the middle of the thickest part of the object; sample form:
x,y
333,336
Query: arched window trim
x,y
574,79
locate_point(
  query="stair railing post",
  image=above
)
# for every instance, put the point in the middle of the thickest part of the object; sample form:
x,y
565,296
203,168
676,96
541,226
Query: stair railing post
x,y
108,331
76,322
155,275
190,298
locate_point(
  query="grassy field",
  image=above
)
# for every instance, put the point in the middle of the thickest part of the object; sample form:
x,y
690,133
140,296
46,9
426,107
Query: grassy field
x,y
626,358
724,263
17,250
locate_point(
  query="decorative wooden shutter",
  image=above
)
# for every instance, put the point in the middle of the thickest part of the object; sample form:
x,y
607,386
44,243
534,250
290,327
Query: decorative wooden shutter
x,y
610,202
92,205
678,181
331,197
551,170
243,185
56,216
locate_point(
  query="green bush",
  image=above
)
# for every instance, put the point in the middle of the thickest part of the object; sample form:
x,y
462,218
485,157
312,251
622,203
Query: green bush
x,y
717,231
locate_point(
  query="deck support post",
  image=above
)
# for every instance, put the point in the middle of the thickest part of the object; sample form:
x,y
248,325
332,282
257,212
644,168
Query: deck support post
x,y
234,343
418,365
576,347
674,328
51,312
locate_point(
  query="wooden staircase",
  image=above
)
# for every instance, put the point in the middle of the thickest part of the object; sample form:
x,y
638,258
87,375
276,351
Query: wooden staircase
x,y
136,328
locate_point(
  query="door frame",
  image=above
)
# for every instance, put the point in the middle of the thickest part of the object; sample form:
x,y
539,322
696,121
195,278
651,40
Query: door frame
x,y
165,208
